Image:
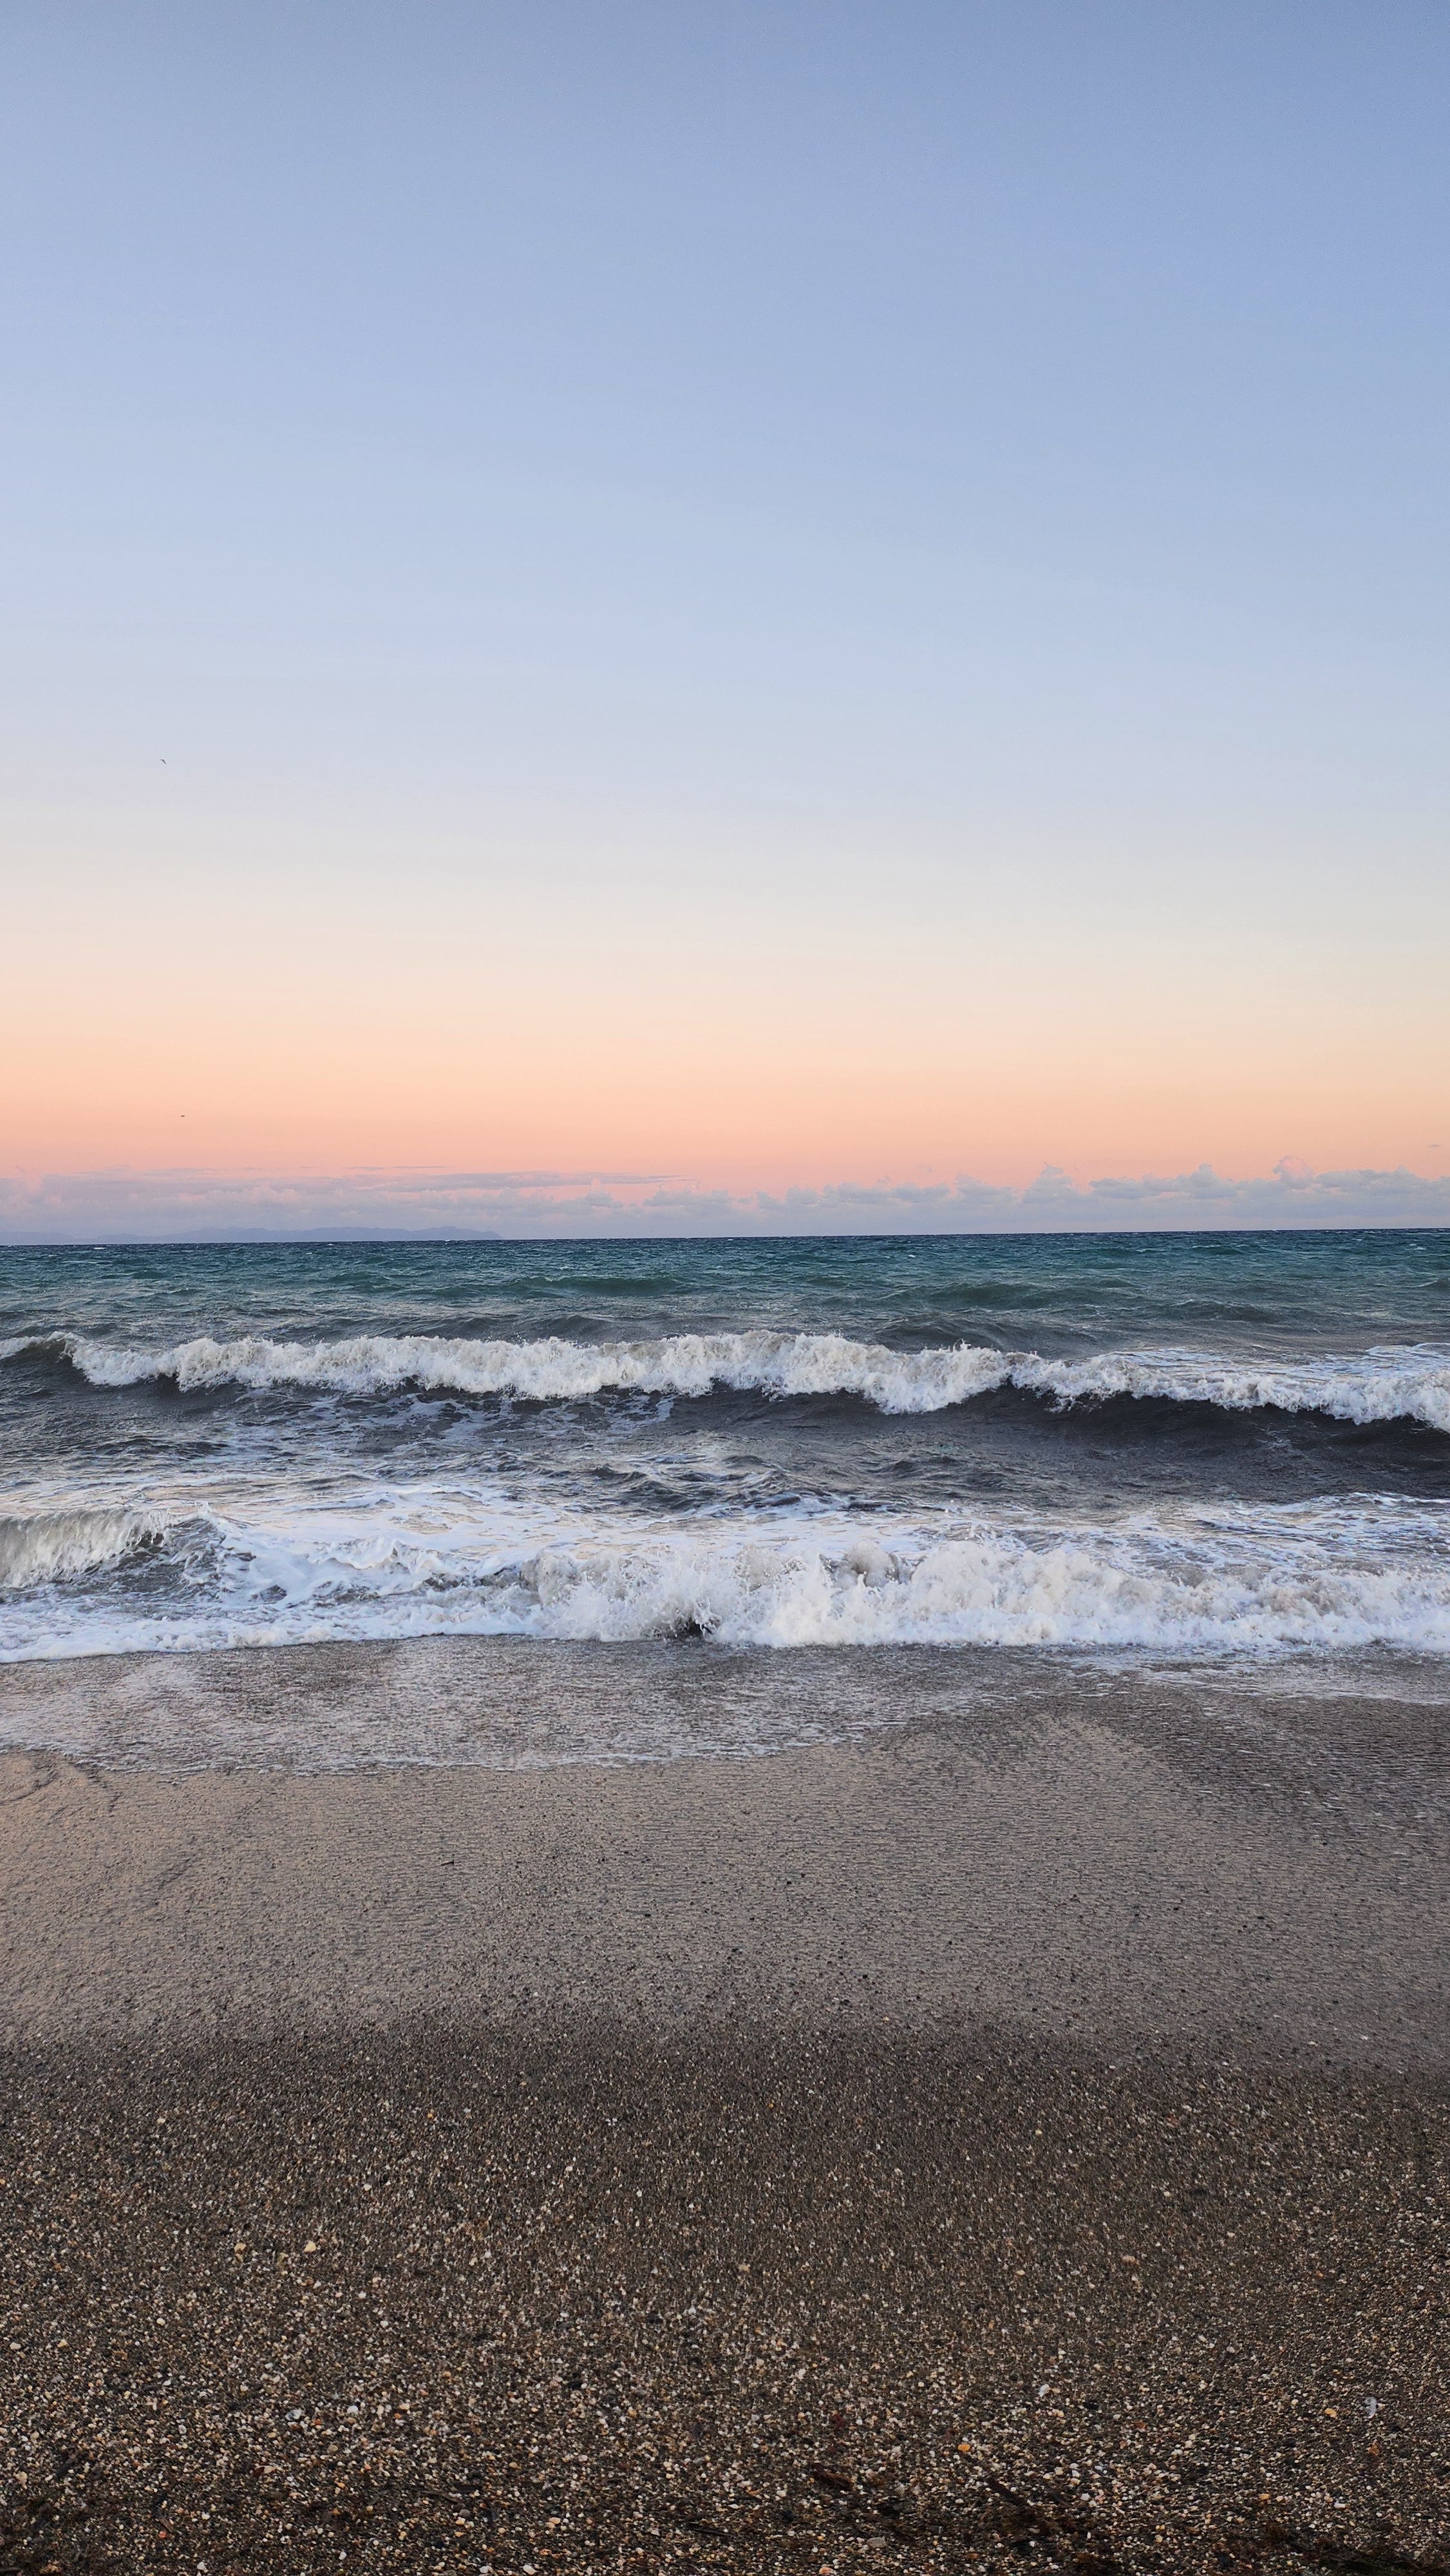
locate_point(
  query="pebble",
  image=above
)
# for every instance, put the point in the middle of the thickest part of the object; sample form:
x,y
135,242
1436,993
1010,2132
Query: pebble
x,y
591,2298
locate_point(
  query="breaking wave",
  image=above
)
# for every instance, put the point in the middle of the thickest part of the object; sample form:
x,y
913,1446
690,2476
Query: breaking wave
x,y
1406,1382
983,1589
1328,1577
48,1547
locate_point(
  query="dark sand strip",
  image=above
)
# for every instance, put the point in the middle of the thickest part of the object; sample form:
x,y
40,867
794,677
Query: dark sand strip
x,y
1015,2140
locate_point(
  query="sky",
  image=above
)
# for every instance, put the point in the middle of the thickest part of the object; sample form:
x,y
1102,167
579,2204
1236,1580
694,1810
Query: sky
x,y
695,618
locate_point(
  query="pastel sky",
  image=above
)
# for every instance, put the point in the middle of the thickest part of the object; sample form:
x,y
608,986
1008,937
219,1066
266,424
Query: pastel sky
x,y
701,615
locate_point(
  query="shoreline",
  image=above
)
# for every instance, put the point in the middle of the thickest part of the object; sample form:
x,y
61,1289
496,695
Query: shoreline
x,y
340,1703
1021,1843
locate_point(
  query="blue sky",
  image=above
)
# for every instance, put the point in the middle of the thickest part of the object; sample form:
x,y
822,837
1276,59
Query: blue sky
x,y
830,509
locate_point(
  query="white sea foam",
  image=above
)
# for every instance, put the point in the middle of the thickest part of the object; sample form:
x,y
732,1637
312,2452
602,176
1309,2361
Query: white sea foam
x,y
50,1546
434,1559
986,1589
1405,1382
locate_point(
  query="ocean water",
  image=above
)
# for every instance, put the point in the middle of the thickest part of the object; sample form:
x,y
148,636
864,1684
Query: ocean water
x,y
1193,1447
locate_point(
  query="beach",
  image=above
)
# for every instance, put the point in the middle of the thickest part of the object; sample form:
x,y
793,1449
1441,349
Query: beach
x,y
1010,2133
725,1292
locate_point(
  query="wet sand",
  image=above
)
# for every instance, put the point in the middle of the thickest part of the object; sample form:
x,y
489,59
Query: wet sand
x,y
1016,2136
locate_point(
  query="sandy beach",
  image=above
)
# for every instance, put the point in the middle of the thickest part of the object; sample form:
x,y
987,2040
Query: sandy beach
x,y
1013,2134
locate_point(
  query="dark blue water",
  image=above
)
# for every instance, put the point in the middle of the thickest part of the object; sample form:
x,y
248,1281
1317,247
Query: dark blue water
x,y
1193,1444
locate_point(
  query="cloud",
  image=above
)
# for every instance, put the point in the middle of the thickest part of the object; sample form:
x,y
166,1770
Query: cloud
x,y
125,1205
122,1205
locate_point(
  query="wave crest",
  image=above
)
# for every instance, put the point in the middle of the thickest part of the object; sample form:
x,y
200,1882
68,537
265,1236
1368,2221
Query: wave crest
x,y
46,1547
1392,1384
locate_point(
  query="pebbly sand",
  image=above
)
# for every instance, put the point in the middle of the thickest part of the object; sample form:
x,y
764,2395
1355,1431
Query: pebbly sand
x,y
1014,2135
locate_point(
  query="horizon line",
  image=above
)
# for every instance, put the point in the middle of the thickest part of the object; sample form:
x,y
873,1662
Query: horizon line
x,y
346,1237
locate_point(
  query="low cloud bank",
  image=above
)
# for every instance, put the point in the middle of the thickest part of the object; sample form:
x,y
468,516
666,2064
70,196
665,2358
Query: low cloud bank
x,y
196,1206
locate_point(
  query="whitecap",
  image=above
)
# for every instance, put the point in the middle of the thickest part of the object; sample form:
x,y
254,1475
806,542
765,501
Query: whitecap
x,y
1398,1383
48,1546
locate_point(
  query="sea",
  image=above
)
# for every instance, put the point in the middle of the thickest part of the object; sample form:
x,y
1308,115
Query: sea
x,y
1188,1446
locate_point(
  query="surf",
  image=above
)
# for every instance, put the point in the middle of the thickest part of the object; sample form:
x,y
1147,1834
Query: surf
x,y
1394,1382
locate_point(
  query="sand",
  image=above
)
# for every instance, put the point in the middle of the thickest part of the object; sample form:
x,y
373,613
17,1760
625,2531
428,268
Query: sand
x,y
1013,2136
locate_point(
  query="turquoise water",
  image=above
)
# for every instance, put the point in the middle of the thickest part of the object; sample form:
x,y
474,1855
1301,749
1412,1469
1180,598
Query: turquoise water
x,y
1255,1292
